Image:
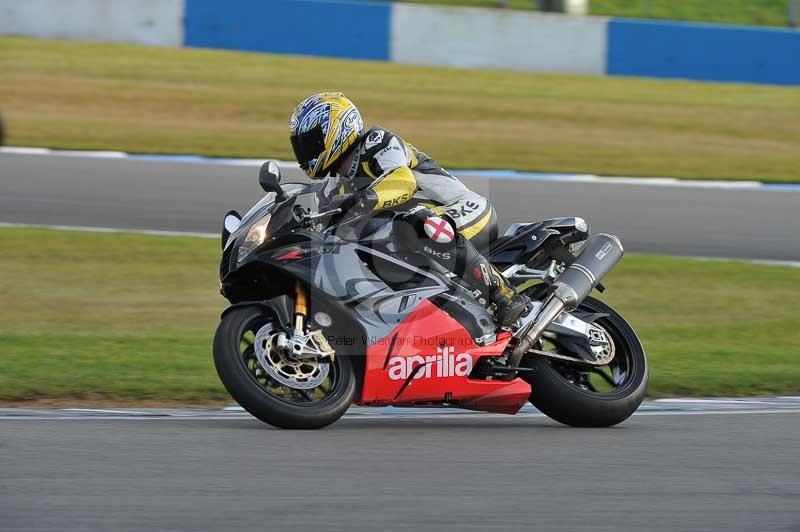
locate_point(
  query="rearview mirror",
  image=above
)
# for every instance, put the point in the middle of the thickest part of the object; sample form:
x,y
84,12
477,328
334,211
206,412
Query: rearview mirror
x,y
269,177
232,221
230,224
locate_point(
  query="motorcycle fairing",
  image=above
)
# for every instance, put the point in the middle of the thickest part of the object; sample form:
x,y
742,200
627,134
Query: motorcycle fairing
x,y
522,241
337,269
427,359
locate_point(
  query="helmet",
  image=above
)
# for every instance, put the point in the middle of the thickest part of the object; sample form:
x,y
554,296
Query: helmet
x,y
323,129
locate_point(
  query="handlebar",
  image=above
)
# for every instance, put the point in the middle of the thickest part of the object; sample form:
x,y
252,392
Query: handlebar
x,y
320,215
308,219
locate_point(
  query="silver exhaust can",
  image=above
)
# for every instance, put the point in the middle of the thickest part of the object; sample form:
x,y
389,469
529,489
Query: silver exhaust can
x,y
599,255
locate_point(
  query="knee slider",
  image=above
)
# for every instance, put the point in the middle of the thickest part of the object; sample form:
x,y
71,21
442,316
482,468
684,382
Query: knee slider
x,y
425,231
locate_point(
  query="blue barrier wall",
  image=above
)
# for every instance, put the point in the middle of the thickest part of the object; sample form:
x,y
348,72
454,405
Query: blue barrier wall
x,y
703,51
425,34
356,29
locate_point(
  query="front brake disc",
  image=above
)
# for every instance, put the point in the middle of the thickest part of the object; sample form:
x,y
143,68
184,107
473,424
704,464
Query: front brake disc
x,y
303,374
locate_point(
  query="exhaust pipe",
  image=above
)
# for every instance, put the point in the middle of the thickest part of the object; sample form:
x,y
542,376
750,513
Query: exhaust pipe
x,y
600,253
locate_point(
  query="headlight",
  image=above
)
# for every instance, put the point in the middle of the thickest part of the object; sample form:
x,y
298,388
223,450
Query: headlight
x,y
255,237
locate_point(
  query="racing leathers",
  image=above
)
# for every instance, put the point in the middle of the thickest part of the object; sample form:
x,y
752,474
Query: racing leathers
x,y
437,215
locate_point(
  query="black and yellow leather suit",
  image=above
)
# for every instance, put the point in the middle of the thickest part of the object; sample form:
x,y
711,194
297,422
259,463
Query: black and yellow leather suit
x,y
388,173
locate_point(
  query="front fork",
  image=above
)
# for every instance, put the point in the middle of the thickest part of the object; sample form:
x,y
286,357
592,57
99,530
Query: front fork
x,y
300,308
299,344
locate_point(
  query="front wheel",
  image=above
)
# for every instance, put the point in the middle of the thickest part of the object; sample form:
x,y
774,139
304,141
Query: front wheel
x,y
581,395
304,394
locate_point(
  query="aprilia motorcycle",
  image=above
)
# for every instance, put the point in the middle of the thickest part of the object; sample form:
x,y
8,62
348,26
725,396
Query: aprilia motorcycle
x,y
329,311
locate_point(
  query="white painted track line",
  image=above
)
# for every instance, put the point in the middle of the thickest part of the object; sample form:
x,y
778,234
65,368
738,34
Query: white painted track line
x,y
86,229
55,417
751,185
661,407
157,232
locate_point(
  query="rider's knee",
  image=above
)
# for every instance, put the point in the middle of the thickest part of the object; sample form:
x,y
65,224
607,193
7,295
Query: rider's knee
x,y
424,231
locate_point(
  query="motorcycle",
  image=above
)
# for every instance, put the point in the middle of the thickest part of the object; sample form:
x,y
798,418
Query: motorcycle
x,y
328,311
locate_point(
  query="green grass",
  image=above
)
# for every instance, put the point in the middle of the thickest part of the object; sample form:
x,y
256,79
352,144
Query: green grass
x,y
754,12
112,316
130,318
712,327
102,96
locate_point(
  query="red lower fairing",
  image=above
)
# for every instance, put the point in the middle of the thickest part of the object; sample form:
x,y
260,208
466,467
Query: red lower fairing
x,y
427,358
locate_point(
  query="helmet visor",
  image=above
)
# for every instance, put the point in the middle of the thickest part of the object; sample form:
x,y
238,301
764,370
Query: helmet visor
x,y
308,146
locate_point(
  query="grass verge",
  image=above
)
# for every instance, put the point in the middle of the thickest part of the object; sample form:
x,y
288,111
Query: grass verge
x,y
129,319
142,99
755,12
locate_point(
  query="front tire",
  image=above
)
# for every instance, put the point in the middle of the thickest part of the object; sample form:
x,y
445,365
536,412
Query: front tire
x,y
564,391
263,397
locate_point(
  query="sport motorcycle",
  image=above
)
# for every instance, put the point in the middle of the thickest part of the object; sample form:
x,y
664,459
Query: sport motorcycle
x,y
328,310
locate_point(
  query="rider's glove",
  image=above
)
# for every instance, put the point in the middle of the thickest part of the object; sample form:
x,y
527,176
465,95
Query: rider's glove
x,y
355,204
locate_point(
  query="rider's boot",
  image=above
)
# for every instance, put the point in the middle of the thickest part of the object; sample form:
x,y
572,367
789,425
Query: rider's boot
x,y
510,305
493,287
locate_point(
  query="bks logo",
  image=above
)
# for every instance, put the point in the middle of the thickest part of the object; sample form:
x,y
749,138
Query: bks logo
x,y
395,201
465,209
445,363
438,254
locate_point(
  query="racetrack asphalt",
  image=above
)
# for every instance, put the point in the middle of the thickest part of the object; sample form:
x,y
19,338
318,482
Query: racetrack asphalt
x,y
657,471
136,194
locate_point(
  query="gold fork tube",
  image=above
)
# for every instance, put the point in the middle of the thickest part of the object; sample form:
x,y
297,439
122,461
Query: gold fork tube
x,y
300,307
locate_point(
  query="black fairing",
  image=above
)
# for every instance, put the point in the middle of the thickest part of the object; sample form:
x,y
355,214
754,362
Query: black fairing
x,y
534,244
340,274
366,282
283,216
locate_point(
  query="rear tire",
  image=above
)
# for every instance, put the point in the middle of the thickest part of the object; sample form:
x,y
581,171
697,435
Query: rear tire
x,y
567,402
245,388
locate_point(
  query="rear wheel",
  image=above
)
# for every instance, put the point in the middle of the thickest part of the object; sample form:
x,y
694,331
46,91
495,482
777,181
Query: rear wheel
x,y
583,395
286,393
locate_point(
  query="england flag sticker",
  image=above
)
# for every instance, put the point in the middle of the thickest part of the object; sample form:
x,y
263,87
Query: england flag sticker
x,y
439,230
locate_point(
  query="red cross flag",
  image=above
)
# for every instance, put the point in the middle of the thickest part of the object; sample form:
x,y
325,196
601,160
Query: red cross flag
x,y
439,230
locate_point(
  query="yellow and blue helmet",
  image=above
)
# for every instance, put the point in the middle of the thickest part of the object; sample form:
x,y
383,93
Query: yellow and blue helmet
x,y
323,128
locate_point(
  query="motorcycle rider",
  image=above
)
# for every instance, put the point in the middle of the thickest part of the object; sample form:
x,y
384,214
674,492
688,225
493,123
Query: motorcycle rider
x,y
377,170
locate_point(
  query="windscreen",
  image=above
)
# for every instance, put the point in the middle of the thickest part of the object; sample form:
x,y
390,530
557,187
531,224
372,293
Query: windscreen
x,y
258,210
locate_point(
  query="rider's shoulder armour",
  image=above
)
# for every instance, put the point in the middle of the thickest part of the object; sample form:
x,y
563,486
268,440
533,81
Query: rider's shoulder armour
x,y
381,151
